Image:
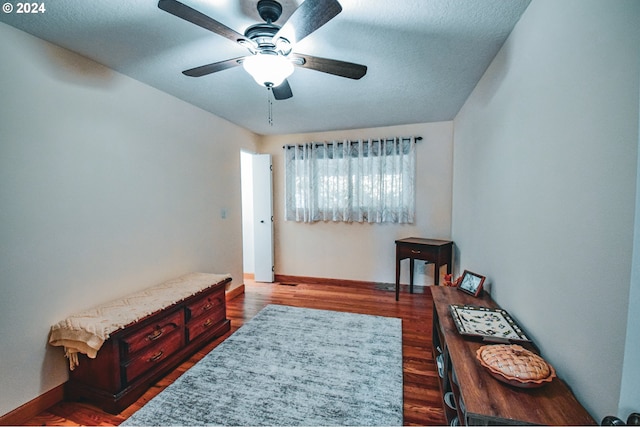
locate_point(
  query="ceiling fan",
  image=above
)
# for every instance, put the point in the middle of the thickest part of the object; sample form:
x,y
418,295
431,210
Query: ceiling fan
x,y
271,58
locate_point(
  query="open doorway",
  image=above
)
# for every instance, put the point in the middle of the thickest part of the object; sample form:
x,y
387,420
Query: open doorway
x,y
257,216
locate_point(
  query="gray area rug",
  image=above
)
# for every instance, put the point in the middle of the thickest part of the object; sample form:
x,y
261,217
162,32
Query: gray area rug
x,y
291,366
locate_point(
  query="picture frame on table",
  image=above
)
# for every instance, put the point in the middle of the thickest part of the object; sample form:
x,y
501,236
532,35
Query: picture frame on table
x,y
471,283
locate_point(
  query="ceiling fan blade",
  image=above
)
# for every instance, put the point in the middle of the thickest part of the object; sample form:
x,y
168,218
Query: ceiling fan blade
x,y
331,66
308,17
283,91
189,14
203,70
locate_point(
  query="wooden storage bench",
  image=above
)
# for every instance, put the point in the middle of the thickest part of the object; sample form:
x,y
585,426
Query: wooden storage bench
x,y
170,322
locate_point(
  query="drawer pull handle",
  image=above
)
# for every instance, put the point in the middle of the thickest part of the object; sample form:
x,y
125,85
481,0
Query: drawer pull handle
x,y
414,251
155,335
207,323
208,307
156,356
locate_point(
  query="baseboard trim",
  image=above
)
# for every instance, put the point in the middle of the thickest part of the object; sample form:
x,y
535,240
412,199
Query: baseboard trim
x,y
237,291
326,281
34,407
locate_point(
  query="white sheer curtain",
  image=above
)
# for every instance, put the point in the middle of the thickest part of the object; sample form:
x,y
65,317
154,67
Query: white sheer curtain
x,y
351,181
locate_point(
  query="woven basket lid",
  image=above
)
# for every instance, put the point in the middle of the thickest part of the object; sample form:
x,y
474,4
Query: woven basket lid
x,y
515,365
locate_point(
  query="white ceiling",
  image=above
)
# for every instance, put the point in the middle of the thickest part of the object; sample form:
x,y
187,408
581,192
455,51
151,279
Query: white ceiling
x,y
424,57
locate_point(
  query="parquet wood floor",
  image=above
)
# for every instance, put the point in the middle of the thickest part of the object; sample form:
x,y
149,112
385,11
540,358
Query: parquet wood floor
x,y
422,402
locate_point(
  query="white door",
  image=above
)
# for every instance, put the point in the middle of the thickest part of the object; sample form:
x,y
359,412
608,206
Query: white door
x,y
263,218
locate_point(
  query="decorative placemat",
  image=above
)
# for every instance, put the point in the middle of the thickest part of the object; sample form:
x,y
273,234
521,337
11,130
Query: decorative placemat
x,y
491,324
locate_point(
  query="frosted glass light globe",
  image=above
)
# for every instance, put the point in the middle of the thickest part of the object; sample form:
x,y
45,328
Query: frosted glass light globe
x,y
268,70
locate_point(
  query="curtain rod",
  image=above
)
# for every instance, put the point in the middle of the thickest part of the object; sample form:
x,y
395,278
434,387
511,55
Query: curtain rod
x,y
416,139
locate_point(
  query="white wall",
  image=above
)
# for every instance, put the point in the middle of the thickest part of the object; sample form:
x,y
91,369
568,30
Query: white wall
x,y
106,186
545,155
246,166
365,252
629,391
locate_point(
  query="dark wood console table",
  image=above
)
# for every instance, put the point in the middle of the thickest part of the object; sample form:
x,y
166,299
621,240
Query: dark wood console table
x,y
481,399
439,252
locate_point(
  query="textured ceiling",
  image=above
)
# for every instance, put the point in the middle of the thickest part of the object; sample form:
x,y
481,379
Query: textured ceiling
x,y
424,57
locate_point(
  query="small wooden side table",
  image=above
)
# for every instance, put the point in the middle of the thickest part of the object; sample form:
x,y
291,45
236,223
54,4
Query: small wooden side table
x,y
439,252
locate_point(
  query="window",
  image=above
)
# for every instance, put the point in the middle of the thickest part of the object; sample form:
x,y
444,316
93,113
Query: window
x,y
361,181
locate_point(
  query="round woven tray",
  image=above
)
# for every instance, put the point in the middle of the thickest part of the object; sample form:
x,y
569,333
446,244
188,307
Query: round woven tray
x,y
515,365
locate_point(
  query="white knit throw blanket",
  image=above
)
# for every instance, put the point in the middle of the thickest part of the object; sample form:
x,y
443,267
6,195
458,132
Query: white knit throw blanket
x,y
86,331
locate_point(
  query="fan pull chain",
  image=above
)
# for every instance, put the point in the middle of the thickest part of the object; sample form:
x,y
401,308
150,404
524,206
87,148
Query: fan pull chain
x,y
269,108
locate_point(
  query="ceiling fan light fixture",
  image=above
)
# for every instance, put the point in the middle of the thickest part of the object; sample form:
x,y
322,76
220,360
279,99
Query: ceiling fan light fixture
x,y
268,69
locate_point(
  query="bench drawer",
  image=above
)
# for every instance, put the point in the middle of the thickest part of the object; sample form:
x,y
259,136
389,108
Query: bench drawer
x,y
201,324
154,355
209,303
152,333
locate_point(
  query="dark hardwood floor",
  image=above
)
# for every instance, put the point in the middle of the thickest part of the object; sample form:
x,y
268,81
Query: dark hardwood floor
x,y
422,402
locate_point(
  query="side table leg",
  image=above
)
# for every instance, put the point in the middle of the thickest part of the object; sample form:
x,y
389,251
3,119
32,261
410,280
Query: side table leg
x,y
397,276
411,265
